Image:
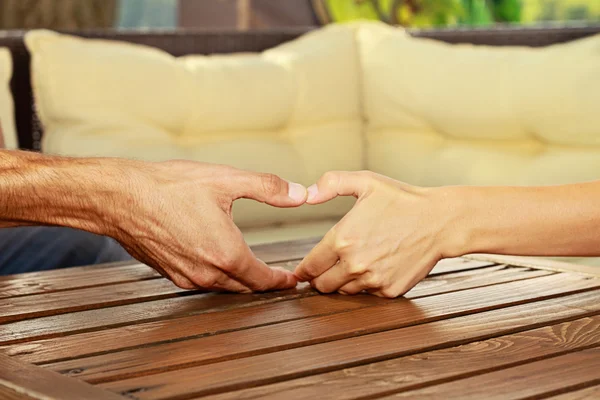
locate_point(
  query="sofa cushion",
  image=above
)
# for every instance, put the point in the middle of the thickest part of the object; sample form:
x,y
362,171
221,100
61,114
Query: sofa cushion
x,y
7,114
443,114
292,110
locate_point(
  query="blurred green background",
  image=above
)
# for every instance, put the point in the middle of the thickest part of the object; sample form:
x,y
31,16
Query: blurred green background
x,y
435,13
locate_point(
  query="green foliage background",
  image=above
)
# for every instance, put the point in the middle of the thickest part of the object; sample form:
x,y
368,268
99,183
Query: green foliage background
x,y
427,13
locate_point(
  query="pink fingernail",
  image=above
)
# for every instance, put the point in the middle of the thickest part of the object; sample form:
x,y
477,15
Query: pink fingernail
x,y
296,192
313,191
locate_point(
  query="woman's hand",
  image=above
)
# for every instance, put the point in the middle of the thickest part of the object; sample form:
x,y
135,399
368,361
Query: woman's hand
x,y
386,244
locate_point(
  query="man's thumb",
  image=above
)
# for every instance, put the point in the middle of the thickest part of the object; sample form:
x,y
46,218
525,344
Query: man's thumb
x,y
271,189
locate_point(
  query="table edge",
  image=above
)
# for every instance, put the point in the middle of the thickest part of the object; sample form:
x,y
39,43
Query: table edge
x,y
537,263
41,383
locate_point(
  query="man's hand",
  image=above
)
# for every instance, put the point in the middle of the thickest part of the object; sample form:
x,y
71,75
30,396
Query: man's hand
x,y
179,222
385,245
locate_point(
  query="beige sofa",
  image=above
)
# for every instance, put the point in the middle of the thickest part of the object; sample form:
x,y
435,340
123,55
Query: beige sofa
x,y
360,96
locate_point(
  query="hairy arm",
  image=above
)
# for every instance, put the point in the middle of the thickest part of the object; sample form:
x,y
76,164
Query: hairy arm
x,y
78,193
174,216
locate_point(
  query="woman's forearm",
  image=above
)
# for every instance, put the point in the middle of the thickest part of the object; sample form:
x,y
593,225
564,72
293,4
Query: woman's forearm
x,y
539,221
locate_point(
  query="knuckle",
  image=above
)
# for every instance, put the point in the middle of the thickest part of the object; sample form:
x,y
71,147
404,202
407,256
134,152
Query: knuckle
x,y
330,178
229,261
319,285
205,280
260,286
308,270
373,281
357,268
391,293
343,243
182,282
271,184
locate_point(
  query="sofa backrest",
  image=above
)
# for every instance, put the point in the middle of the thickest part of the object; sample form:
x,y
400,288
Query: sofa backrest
x,y
208,42
440,114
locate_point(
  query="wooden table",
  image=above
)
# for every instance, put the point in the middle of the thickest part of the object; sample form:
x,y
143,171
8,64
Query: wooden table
x,y
480,327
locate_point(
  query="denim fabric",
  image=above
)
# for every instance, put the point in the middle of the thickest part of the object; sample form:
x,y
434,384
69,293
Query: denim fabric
x,y
40,248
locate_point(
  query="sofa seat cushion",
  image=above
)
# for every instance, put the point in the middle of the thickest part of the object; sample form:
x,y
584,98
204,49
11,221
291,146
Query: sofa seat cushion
x,y
7,114
292,110
442,114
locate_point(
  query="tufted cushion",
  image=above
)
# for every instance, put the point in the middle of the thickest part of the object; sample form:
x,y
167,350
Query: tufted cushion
x,y
7,115
442,114
292,110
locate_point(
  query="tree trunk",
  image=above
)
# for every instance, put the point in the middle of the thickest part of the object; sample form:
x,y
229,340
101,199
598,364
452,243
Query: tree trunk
x,y
57,14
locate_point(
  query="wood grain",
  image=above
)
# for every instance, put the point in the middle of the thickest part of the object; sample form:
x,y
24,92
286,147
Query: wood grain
x,y
130,271
541,378
7,393
126,337
51,326
425,369
590,393
536,262
306,332
73,278
90,343
25,307
38,382
324,357
85,321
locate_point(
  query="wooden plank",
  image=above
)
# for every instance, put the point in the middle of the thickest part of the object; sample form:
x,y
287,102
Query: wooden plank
x,y
73,278
25,307
7,393
425,369
536,262
450,265
127,315
126,337
55,325
310,331
591,393
127,271
90,343
324,357
541,378
38,382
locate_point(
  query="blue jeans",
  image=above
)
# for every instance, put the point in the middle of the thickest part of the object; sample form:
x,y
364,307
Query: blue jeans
x,y
41,248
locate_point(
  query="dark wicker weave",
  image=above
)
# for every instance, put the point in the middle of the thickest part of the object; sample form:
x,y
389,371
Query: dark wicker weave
x,y
205,42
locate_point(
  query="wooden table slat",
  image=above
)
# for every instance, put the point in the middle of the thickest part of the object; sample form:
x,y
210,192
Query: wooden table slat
x,y
188,327
106,340
73,278
541,378
100,296
7,393
427,369
51,350
129,271
39,382
307,332
473,328
324,357
590,393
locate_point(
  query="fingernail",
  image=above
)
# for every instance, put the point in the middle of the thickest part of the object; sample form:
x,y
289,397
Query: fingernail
x,y
313,191
296,192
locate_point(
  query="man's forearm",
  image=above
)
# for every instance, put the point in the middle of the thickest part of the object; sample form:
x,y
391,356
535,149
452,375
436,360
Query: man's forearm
x,y
540,221
43,190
